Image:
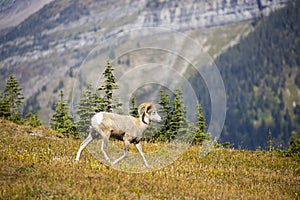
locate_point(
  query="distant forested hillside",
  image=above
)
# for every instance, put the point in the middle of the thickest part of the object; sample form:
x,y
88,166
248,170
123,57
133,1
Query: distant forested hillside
x,y
262,80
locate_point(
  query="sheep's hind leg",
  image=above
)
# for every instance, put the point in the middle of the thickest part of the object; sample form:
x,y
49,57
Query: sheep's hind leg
x,y
84,144
126,146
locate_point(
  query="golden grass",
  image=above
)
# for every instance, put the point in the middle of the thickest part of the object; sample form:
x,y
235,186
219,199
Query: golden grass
x,y
34,163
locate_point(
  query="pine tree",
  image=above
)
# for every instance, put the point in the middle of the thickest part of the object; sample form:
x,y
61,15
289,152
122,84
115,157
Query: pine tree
x,y
107,102
32,120
134,109
61,121
165,131
200,129
179,120
4,107
86,109
294,145
11,100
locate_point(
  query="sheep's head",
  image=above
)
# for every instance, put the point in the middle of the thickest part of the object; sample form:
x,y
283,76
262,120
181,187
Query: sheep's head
x,y
148,110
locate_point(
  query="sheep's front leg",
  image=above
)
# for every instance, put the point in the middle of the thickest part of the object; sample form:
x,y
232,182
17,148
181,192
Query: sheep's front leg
x,y
126,146
139,147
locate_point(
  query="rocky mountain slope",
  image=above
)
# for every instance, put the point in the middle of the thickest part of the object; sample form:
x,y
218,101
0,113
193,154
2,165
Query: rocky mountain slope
x,y
68,30
13,12
262,80
48,48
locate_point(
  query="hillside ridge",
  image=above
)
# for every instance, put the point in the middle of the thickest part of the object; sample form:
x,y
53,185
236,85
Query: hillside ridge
x,y
34,163
46,51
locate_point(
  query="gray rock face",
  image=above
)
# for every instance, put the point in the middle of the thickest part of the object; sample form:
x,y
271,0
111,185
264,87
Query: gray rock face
x,y
201,13
41,59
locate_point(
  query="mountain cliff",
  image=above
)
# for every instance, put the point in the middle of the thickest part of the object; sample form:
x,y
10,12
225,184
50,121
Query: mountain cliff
x,y
46,50
195,14
58,37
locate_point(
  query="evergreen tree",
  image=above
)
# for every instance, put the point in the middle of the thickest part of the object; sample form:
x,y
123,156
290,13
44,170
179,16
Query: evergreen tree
x,y
61,121
294,145
134,109
100,105
11,101
32,120
165,131
4,106
107,102
86,109
179,120
200,129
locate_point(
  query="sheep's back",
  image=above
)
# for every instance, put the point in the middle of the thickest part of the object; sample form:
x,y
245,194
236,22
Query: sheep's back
x,y
121,124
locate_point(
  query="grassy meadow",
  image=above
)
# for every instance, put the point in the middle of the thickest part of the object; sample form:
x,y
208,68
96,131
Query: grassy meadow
x,y
37,164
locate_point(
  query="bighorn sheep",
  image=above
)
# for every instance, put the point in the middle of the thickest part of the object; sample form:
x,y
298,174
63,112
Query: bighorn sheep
x,y
122,127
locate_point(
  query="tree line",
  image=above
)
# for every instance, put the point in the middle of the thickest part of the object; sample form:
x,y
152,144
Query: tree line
x,y
262,78
174,126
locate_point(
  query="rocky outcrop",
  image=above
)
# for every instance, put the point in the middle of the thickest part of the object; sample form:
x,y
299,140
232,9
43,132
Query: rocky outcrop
x,y
199,13
12,12
48,45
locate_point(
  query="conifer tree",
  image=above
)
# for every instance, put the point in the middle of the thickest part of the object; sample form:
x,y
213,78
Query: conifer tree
x,y
86,109
134,109
4,107
294,145
32,120
108,102
200,129
61,121
11,101
165,131
179,120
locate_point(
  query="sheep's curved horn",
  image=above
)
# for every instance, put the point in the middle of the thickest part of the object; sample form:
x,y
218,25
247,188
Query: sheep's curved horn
x,y
144,107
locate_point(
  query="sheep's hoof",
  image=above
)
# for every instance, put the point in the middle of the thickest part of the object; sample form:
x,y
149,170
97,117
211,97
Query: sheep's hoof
x,y
146,164
115,162
146,168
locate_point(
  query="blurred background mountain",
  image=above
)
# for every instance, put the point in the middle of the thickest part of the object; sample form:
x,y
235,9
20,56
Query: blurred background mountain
x,y
255,45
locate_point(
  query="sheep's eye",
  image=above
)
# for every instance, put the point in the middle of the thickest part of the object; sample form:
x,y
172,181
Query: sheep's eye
x,y
153,113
